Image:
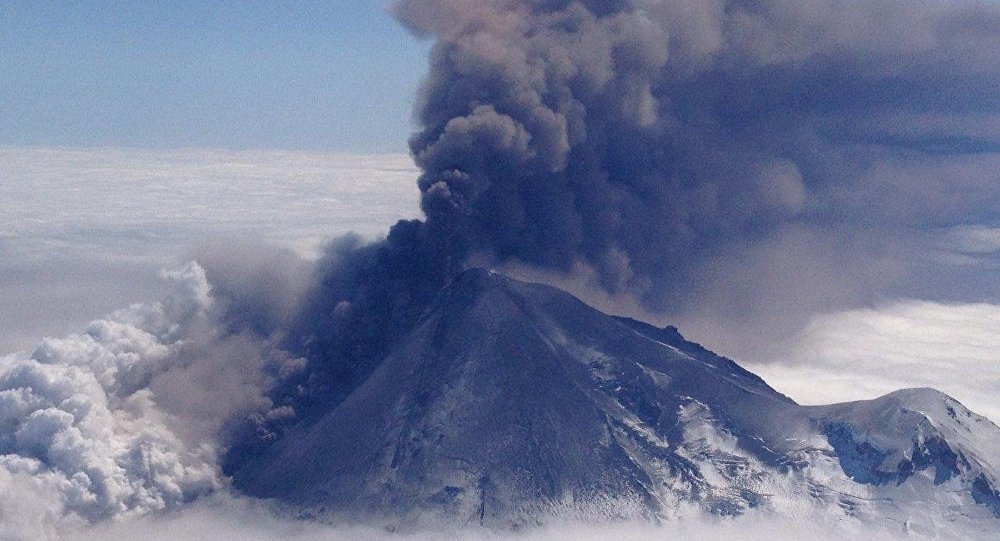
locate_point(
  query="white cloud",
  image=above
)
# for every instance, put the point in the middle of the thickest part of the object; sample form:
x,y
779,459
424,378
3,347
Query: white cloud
x,y
83,436
84,231
225,518
123,199
860,354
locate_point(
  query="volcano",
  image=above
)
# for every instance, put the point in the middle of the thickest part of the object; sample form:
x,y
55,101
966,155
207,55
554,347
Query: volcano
x,y
509,403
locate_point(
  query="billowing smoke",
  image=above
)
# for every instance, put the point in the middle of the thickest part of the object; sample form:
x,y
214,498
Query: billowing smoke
x,y
130,416
643,137
80,427
706,155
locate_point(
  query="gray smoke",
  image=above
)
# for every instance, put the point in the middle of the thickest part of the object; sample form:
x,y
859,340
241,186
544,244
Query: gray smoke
x,y
761,160
644,138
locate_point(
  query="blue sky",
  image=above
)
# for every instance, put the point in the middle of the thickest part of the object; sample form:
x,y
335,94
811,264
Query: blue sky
x,y
319,75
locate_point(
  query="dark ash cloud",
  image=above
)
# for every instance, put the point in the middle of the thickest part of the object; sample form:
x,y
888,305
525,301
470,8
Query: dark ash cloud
x,y
643,138
733,165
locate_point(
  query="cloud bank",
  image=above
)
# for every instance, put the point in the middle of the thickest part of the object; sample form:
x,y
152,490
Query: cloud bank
x,y
118,199
861,354
224,518
85,231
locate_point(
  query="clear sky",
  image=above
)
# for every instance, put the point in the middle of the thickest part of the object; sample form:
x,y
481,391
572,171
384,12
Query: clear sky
x,y
311,74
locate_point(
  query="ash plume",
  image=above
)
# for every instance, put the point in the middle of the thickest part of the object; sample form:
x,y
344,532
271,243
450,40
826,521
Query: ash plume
x,y
764,158
640,138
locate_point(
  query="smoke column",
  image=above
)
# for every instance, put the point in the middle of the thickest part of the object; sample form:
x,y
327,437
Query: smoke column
x,y
641,139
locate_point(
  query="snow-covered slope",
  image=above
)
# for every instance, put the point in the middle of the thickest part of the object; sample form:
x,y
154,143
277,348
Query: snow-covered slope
x,y
510,402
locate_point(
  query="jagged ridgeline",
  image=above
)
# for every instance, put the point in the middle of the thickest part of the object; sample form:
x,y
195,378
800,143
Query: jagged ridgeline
x,y
509,403
641,141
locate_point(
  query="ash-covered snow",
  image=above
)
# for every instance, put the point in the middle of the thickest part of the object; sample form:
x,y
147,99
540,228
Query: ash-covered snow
x,y
512,403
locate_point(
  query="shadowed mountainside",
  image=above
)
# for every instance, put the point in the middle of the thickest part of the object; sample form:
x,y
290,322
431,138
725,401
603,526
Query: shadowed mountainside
x,y
511,402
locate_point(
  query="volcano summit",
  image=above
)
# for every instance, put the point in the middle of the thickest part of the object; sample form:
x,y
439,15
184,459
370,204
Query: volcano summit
x,y
510,403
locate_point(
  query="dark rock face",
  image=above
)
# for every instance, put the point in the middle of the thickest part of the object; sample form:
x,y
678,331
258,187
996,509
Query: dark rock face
x,y
510,402
866,463
985,493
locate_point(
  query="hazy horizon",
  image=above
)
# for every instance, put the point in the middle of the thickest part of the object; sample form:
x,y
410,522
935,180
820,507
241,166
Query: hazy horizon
x,y
219,221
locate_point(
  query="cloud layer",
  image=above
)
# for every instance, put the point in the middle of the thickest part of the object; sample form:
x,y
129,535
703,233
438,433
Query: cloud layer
x,y
861,354
224,518
121,199
85,231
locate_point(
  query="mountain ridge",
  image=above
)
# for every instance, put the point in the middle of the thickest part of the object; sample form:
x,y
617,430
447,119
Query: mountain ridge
x,y
511,402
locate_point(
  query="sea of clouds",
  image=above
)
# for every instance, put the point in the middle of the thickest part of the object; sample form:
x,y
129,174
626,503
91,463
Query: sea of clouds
x,y
86,231
225,518
113,427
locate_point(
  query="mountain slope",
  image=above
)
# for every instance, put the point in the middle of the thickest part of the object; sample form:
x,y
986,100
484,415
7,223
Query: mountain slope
x,y
511,401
